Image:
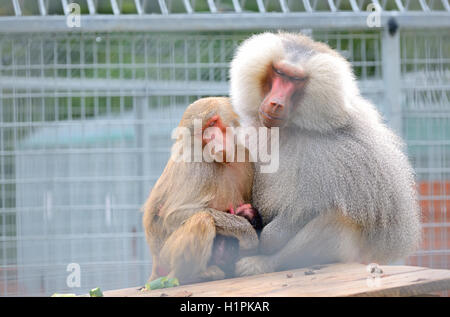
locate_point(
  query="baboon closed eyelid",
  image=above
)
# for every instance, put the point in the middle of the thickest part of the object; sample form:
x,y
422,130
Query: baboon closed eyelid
x,y
298,78
292,78
213,121
279,72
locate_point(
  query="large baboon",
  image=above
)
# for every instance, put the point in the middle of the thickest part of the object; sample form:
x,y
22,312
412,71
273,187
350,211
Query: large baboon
x,y
344,190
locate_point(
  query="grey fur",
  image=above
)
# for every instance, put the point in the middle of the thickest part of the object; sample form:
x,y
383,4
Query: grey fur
x,y
354,172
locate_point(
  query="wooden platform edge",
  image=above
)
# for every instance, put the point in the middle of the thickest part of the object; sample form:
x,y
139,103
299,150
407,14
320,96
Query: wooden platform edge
x,y
334,280
423,289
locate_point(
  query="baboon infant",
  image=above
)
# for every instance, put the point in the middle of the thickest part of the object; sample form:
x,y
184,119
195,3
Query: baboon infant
x,y
197,218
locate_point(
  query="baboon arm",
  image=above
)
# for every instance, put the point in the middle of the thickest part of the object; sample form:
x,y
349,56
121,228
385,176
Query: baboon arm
x,y
235,226
177,218
302,248
275,235
226,224
327,238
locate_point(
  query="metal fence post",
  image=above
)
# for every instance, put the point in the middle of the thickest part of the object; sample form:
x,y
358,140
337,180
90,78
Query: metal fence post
x,y
141,119
391,68
141,114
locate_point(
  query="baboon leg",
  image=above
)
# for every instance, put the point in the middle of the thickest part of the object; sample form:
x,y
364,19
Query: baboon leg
x,y
212,272
187,251
155,263
325,239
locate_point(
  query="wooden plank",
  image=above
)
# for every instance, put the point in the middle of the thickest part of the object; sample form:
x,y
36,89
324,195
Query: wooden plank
x,y
351,279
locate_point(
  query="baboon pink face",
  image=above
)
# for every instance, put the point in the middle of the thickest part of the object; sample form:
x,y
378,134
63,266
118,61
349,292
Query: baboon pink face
x,y
215,131
282,88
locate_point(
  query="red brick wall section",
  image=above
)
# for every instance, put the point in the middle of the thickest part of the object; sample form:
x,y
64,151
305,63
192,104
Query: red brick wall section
x,y
435,208
434,251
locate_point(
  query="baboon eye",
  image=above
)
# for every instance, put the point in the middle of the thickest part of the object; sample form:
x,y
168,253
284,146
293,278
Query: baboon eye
x,y
298,78
278,72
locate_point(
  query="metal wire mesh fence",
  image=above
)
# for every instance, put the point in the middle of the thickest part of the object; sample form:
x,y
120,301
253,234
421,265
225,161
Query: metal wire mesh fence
x,y
85,124
425,65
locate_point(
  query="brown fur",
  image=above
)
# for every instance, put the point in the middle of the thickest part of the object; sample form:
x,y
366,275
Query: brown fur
x,y
185,209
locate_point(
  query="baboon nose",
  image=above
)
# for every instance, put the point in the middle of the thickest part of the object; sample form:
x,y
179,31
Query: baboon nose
x,y
276,107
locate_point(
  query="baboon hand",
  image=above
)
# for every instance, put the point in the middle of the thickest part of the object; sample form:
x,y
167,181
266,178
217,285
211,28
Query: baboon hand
x,y
250,213
253,265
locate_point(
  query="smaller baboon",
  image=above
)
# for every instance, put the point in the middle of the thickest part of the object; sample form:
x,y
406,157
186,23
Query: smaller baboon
x,y
198,217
